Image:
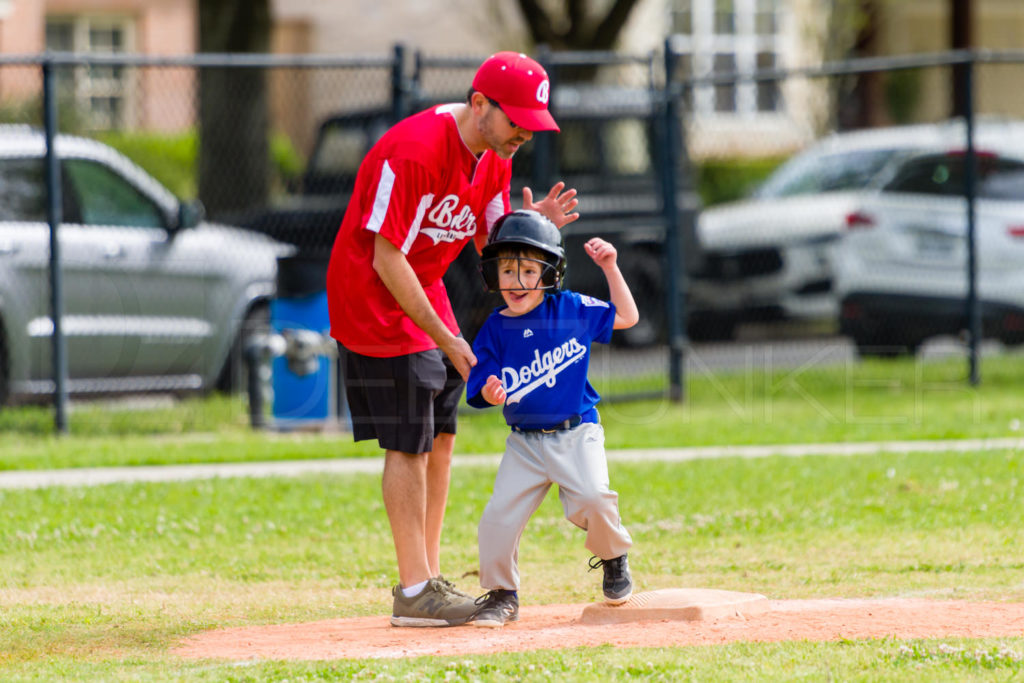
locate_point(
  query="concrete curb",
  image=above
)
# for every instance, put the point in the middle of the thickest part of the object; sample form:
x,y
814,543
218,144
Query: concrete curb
x,y
30,479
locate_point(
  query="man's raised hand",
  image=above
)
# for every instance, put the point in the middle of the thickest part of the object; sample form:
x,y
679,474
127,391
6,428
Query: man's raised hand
x,y
558,206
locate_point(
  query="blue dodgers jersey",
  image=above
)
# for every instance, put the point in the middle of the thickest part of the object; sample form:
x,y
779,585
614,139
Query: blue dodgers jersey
x,y
542,358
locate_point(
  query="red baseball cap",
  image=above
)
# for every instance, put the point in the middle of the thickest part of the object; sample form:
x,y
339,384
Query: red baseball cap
x,y
520,85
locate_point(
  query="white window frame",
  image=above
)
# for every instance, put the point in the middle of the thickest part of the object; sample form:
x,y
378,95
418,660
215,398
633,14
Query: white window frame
x,y
703,44
87,83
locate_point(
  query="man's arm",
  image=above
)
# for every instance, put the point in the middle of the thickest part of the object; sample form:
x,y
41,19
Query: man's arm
x,y
400,279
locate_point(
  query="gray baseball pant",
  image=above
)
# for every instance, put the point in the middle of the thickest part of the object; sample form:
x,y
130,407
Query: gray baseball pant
x,y
574,460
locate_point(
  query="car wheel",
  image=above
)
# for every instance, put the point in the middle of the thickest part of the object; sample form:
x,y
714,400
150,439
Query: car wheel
x,y
233,375
884,344
711,327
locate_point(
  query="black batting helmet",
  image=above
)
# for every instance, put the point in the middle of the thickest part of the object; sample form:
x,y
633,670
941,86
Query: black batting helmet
x,y
520,231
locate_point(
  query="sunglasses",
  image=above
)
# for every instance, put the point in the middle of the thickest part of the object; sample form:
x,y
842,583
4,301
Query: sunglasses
x,y
510,121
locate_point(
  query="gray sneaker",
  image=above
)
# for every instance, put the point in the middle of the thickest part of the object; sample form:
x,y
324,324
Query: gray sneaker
x,y
436,605
453,589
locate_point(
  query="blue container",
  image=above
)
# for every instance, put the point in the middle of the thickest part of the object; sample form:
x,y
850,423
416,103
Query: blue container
x,y
301,399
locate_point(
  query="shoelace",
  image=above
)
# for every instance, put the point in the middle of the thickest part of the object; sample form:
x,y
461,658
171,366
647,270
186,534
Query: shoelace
x,y
614,565
496,596
450,587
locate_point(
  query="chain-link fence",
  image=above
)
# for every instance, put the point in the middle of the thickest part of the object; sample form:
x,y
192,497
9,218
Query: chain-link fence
x,y
893,220
786,195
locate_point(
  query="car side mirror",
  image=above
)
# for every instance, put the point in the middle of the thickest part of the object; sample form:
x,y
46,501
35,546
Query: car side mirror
x,y
190,214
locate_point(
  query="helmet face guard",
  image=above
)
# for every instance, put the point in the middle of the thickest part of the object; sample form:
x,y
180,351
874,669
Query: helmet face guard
x,y
521,236
550,276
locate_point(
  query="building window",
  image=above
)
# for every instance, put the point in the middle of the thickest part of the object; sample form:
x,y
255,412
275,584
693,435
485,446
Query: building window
x,y
718,37
725,18
100,94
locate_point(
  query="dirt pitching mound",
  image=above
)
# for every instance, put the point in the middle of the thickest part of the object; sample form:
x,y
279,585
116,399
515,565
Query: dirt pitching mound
x,y
547,627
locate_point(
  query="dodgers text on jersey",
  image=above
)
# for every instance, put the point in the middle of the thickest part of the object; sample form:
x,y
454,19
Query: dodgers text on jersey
x,y
542,370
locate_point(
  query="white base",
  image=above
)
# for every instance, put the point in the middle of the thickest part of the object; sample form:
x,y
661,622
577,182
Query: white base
x,y
677,604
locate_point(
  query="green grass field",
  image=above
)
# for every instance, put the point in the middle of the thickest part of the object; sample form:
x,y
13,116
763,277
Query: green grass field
x,y
872,401
99,583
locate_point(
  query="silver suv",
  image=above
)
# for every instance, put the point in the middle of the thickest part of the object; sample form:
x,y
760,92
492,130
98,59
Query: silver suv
x,y
154,297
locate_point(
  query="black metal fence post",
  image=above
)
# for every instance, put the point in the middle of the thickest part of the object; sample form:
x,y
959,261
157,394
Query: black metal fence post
x,y
399,87
674,262
541,173
970,188
54,217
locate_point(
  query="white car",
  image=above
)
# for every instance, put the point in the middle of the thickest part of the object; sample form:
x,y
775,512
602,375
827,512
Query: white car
x,y
155,298
901,268
769,257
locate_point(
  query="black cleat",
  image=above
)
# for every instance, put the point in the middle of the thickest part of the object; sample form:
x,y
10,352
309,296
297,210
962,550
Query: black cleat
x,y
617,584
496,608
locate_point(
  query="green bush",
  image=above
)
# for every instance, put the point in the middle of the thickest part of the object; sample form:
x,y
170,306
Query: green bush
x,y
725,180
171,158
288,163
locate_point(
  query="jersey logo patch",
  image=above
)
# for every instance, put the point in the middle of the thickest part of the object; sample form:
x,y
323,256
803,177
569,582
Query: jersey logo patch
x,y
591,301
448,222
527,334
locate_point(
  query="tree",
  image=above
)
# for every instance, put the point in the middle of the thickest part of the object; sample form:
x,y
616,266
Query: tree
x,y
861,101
960,29
233,114
575,24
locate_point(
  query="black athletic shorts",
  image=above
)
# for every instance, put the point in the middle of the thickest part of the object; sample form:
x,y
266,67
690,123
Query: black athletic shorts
x,y
404,401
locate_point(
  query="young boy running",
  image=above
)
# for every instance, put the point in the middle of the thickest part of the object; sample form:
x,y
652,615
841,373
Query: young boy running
x,y
532,359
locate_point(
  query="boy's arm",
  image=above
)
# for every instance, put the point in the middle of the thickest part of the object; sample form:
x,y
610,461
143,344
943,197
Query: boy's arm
x,y
483,388
604,255
626,312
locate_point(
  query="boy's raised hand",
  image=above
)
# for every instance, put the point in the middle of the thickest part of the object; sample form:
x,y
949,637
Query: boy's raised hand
x,y
602,252
493,392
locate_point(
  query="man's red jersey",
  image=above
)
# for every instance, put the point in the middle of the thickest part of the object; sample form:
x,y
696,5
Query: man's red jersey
x,y
422,189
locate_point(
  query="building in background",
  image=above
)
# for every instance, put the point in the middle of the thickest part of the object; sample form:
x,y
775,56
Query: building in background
x,y
108,97
713,37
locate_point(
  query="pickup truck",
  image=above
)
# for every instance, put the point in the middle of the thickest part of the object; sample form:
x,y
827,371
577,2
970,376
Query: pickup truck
x,y
607,150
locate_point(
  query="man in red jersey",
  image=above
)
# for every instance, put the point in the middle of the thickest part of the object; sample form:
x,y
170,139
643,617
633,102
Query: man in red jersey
x,y
432,182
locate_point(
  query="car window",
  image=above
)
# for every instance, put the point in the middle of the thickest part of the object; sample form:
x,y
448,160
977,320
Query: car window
x,y
106,198
813,173
609,147
943,174
1007,182
592,155
936,175
340,151
22,190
